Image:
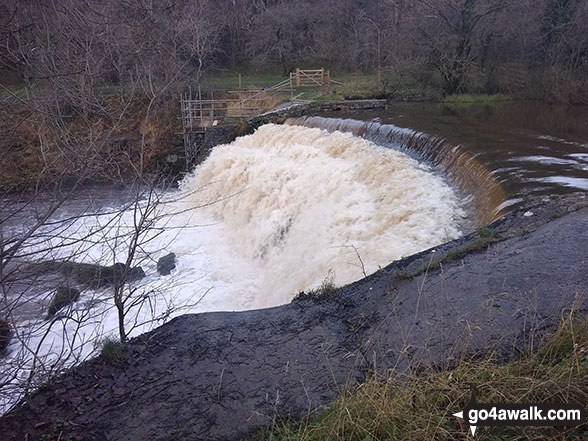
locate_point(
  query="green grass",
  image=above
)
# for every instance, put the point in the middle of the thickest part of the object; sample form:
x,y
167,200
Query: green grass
x,y
476,98
113,351
361,85
230,81
13,91
479,244
486,237
420,407
325,290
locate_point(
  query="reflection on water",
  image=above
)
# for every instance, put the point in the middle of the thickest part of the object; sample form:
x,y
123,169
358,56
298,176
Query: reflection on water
x,y
530,148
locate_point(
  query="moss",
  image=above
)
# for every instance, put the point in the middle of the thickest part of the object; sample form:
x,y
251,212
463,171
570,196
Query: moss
x,y
488,233
487,236
98,275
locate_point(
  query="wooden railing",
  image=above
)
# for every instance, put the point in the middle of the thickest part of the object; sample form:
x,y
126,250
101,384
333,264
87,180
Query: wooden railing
x,y
199,114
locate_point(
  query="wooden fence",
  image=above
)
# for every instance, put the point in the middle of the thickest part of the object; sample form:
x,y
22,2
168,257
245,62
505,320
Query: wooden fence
x,y
200,114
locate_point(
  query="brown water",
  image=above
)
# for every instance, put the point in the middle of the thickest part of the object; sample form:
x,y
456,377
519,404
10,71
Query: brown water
x,y
501,154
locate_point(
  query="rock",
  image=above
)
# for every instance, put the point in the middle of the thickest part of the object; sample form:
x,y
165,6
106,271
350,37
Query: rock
x,y
5,335
97,275
63,296
85,273
135,273
166,264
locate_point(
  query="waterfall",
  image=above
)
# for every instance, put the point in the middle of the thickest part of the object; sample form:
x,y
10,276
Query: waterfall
x,y
461,167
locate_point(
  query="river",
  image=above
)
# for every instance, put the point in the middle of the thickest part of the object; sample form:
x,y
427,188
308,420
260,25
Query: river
x,y
288,208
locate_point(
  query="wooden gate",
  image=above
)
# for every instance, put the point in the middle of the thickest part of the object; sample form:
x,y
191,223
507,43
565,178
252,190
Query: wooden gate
x,y
312,77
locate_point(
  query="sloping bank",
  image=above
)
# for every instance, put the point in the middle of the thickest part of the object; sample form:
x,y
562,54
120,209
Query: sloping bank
x,y
225,375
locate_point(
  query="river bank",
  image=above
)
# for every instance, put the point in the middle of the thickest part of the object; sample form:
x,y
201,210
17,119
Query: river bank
x,y
226,375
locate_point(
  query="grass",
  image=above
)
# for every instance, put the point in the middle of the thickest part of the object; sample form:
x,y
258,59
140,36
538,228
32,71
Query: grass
x,y
420,407
13,91
361,85
325,290
230,81
478,245
476,98
113,351
486,237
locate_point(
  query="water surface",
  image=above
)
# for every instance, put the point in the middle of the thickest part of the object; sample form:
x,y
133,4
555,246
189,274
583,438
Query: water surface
x,y
530,148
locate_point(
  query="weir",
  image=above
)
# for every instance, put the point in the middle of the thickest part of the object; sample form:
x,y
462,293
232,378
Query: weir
x,y
274,214
471,177
299,205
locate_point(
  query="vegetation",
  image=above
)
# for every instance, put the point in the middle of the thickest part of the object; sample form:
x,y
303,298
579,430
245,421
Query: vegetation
x,y
84,93
325,290
486,237
63,296
529,47
476,99
89,93
113,351
406,406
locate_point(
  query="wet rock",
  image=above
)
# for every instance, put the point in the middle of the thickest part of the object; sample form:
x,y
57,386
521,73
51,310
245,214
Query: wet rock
x,y
63,296
87,274
5,335
116,272
98,276
166,264
135,273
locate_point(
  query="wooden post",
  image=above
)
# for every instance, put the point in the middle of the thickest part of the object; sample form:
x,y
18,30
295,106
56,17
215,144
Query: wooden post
x,y
200,102
191,113
328,80
297,77
240,99
211,119
291,88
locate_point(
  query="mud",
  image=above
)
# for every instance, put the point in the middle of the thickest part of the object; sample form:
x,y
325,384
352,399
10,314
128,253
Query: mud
x,y
222,376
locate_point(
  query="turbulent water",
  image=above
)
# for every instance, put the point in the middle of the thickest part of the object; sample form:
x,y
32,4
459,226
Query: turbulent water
x,y
263,218
486,197
301,204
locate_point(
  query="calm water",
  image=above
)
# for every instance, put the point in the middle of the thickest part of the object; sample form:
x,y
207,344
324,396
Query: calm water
x,y
530,148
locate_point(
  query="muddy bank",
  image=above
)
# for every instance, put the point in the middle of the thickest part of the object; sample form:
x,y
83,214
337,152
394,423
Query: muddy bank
x,y
58,146
224,375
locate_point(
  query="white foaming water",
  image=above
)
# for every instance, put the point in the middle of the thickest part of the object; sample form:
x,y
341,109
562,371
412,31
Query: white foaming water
x,y
305,200
264,217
